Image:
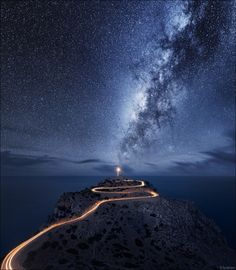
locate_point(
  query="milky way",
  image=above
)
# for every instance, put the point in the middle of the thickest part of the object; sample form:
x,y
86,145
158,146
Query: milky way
x,y
191,33
87,85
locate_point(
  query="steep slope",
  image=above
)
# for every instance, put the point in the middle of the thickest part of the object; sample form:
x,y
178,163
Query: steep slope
x,y
154,233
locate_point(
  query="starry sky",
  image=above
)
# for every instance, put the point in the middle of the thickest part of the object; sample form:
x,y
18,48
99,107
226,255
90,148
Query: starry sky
x,y
148,85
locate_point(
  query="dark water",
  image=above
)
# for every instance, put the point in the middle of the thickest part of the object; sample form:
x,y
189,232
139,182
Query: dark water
x,y
26,202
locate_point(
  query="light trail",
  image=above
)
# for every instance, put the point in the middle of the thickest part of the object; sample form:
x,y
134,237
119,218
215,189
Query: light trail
x,y
10,261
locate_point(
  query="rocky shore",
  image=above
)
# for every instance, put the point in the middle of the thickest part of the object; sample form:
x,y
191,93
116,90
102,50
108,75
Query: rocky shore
x,y
154,233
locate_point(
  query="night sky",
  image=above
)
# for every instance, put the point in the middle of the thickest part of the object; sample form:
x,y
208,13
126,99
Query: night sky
x,y
88,85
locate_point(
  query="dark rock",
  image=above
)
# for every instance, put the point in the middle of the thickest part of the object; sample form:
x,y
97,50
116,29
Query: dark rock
x,y
155,233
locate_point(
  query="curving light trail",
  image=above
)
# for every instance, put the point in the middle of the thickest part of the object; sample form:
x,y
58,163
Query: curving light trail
x,y
10,261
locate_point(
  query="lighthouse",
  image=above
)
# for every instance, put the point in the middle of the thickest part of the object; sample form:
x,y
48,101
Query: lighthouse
x,y
118,171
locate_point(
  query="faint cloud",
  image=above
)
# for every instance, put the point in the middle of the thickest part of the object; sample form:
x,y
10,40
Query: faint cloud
x,y
215,162
15,160
153,165
92,160
29,164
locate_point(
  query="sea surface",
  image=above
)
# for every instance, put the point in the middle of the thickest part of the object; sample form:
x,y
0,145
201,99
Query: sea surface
x,y
26,202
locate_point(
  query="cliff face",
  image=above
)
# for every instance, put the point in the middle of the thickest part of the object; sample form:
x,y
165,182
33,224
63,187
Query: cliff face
x,y
155,233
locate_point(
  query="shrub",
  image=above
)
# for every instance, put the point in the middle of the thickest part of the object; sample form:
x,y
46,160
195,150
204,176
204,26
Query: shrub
x,y
72,251
97,263
73,237
64,242
46,245
83,246
96,237
138,242
62,261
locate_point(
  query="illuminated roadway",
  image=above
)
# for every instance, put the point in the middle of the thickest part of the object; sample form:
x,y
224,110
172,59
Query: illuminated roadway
x,y
10,262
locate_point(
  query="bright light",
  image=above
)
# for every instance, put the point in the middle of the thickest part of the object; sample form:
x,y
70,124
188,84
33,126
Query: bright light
x,y
118,170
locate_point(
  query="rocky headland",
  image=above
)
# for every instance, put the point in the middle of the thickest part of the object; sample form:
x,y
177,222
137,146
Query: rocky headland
x,y
151,233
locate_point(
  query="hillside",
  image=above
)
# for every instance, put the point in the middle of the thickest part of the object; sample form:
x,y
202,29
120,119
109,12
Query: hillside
x,y
153,233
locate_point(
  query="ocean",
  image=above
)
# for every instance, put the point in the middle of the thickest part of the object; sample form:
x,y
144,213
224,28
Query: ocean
x,y
27,201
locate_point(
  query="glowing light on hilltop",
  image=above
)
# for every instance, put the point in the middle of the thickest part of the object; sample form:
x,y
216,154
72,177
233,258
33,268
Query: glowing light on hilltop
x,y
118,170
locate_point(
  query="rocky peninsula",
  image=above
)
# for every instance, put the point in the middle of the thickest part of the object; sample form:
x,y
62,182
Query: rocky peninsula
x,y
150,233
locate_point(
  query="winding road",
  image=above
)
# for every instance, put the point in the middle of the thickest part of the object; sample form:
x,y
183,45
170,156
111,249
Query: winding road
x,y
12,259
